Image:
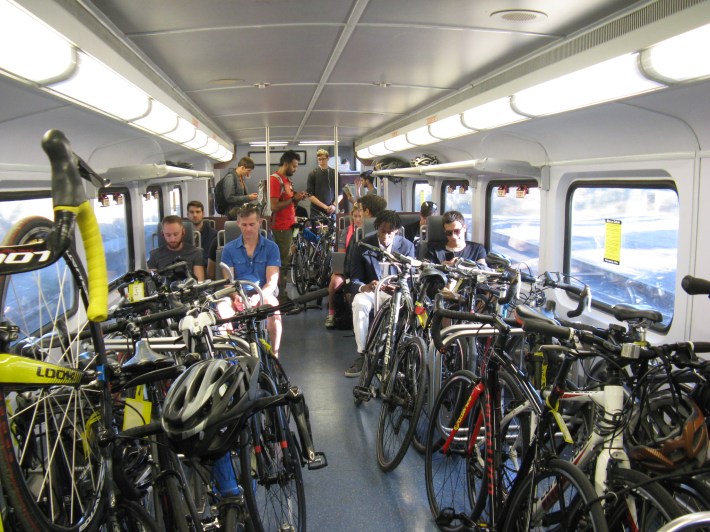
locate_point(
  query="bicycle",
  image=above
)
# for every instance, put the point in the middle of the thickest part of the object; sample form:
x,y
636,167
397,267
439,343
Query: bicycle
x,y
55,400
311,256
485,460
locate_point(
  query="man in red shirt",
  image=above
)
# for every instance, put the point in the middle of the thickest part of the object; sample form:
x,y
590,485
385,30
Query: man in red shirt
x,y
283,206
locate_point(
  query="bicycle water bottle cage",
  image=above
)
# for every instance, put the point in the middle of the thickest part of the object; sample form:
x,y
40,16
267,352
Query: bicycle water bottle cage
x,y
146,359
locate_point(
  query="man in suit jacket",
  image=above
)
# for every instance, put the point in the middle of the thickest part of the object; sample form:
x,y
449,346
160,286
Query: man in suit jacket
x,y
365,275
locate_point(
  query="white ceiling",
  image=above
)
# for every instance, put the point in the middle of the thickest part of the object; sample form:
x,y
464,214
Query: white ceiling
x,y
322,57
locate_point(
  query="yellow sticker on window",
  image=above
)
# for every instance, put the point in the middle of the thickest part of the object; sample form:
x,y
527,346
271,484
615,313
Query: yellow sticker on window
x,y
612,243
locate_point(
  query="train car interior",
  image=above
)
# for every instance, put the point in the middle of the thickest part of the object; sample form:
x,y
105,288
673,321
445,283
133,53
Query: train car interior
x,y
574,138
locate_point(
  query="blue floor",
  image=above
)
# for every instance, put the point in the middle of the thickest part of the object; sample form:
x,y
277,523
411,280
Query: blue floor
x,y
352,493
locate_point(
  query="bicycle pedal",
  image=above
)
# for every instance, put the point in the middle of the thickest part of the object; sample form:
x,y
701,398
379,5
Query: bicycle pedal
x,y
318,462
362,393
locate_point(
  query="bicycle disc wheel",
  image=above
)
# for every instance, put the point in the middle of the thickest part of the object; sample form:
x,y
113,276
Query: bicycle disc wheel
x,y
401,404
558,497
51,466
448,493
639,496
271,474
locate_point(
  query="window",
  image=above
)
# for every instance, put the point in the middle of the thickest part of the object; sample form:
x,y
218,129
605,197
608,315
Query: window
x,y
151,218
176,201
457,196
421,192
514,222
112,214
622,240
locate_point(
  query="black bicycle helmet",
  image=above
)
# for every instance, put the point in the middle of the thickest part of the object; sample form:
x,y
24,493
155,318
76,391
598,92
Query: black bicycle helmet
x,y
667,433
198,406
391,163
431,281
424,159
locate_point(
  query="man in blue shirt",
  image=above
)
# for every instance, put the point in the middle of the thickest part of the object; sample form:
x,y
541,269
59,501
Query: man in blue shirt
x,y
254,258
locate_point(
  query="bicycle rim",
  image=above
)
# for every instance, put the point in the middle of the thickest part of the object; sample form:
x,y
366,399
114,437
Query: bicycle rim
x,y
50,462
558,497
641,505
401,404
299,270
271,474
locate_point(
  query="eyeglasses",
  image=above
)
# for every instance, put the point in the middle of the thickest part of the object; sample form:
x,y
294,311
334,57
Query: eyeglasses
x,y
453,232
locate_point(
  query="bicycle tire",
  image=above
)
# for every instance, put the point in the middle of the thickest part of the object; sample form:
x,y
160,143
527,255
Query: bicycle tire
x,y
654,505
420,431
271,474
690,493
580,509
132,517
447,490
51,466
401,404
374,350
299,269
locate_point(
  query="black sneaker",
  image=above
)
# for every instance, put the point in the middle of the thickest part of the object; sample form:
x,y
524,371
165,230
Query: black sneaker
x,y
356,368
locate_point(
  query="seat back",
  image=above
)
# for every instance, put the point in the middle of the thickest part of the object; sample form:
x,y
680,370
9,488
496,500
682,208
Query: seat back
x,y
191,235
434,233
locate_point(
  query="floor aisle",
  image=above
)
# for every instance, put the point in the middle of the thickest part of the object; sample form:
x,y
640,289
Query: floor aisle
x,y
352,493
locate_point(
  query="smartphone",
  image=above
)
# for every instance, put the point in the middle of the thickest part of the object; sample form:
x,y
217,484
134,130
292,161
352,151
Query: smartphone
x,y
448,255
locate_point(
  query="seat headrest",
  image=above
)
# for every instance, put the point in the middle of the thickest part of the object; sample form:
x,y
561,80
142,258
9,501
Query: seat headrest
x,y
435,229
231,231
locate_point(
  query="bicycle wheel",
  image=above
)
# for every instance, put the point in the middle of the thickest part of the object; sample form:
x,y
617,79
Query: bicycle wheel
x,y
641,503
131,517
446,462
51,466
401,404
271,474
368,382
422,426
299,269
558,497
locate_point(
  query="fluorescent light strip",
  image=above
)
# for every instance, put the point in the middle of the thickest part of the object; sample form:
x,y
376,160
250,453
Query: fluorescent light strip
x,y
32,50
364,153
184,132
379,149
449,128
159,120
263,144
680,58
421,137
317,143
200,141
211,148
398,143
491,115
606,81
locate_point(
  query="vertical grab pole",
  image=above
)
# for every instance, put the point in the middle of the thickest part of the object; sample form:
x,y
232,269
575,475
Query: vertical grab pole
x,y
267,148
336,192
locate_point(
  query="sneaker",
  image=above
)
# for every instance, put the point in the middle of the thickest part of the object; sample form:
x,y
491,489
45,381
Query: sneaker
x,y
330,321
356,368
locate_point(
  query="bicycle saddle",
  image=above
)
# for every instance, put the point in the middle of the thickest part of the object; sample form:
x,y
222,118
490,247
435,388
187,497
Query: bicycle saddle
x,y
146,359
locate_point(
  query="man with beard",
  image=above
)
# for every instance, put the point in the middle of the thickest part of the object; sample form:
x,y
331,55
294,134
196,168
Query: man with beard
x,y
176,249
283,206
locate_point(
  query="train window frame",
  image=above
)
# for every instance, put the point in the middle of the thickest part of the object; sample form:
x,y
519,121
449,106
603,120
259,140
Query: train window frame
x,y
157,193
468,216
417,202
512,184
666,185
112,193
175,193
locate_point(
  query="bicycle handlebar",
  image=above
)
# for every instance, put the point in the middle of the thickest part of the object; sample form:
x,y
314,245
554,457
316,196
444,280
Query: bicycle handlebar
x,y
266,310
584,294
398,257
70,203
486,319
695,286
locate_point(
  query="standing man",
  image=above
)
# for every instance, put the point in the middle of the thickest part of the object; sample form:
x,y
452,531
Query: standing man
x,y
365,274
254,258
321,187
283,206
176,249
235,187
196,214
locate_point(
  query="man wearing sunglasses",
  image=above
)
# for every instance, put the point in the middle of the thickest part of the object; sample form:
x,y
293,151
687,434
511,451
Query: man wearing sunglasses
x,y
456,244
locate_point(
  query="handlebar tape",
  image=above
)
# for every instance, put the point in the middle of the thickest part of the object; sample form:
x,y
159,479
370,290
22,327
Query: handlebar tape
x,y
548,329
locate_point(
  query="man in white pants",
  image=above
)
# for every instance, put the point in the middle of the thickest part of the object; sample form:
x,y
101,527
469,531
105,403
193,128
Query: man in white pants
x,y
365,275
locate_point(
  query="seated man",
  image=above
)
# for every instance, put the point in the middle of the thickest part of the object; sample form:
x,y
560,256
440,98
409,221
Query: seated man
x,y
176,249
365,275
196,214
254,258
367,207
456,244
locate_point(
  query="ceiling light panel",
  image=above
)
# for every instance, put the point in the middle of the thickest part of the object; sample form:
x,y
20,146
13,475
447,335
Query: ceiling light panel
x,y
449,128
606,81
379,149
491,115
680,58
421,136
184,132
398,143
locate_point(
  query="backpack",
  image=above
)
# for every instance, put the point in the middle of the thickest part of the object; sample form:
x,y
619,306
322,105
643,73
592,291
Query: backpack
x,y
220,199
343,320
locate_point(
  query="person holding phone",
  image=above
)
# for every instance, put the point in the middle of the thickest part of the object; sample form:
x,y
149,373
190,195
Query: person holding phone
x,y
456,244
